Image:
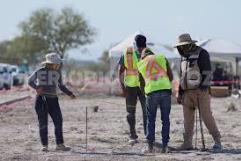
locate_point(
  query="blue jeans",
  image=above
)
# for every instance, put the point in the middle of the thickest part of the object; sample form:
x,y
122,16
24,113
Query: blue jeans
x,y
155,99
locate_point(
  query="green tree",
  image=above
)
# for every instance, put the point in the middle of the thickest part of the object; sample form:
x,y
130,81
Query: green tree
x,y
104,62
3,48
59,31
27,47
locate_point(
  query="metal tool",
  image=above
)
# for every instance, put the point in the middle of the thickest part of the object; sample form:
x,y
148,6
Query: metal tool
x,y
201,127
196,127
86,128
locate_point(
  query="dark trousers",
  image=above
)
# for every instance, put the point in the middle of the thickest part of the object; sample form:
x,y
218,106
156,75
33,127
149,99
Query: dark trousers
x,y
155,99
44,106
132,93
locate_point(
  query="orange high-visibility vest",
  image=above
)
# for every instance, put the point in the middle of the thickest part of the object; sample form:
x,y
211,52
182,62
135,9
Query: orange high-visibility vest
x,y
131,78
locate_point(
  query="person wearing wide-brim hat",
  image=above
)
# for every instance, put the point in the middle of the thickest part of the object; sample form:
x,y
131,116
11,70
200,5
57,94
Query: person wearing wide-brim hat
x,y
45,81
194,89
185,39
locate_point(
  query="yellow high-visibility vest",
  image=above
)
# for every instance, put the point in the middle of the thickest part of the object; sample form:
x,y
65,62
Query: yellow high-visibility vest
x,y
153,69
131,78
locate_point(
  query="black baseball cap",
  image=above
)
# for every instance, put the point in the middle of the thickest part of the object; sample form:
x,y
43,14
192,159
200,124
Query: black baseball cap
x,y
140,41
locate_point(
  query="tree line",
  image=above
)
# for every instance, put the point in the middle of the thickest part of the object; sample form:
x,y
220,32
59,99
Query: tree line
x,y
46,30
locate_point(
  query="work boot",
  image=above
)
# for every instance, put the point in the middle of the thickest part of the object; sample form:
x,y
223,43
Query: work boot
x,y
148,149
133,138
44,148
165,149
132,141
187,144
62,147
217,145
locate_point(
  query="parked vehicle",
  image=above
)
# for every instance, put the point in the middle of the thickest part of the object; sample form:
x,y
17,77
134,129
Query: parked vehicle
x,y
6,75
1,79
18,76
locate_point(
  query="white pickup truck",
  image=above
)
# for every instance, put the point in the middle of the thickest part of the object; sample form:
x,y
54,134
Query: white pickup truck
x,y
1,81
18,76
6,75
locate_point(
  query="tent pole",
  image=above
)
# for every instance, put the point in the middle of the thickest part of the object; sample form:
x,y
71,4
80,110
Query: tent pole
x,y
237,66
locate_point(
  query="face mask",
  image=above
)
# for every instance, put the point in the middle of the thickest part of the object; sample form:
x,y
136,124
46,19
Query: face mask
x,y
186,50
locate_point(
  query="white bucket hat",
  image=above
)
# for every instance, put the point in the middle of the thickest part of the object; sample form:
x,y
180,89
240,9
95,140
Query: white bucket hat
x,y
53,58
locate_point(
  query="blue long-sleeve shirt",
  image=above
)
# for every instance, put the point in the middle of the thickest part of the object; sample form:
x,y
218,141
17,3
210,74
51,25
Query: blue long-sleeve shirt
x,y
48,80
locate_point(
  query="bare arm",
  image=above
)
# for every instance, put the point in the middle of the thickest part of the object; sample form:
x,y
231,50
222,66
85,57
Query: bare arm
x,y
121,76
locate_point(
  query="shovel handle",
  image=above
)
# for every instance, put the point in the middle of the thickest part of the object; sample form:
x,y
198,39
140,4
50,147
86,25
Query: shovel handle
x,y
201,127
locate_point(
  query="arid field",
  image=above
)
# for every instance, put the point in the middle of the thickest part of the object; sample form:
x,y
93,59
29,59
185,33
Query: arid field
x,y
107,132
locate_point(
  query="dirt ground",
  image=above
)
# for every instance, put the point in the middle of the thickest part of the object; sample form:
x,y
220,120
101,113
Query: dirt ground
x,y
108,132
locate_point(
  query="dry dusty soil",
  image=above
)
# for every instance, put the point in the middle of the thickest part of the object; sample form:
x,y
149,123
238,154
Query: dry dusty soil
x,y
108,132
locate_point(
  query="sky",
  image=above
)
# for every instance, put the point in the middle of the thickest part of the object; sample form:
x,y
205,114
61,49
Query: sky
x,y
161,20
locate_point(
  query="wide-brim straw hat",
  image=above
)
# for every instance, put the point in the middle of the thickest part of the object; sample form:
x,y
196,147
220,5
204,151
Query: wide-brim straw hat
x,y
184,39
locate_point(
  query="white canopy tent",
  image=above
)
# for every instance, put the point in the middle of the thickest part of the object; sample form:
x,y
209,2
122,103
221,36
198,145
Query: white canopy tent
x,y
159,48
223,48
118,50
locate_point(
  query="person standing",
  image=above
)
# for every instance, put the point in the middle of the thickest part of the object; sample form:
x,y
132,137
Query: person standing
x,y
194,89
130,84
157,75
45,81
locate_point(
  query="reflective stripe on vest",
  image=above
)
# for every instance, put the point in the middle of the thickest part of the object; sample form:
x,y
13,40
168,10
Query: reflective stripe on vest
x,y
154,71
131,73
151,66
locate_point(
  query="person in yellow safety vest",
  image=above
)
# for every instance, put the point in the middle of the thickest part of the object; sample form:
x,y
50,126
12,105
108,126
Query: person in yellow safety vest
x,y
130,84
157,75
